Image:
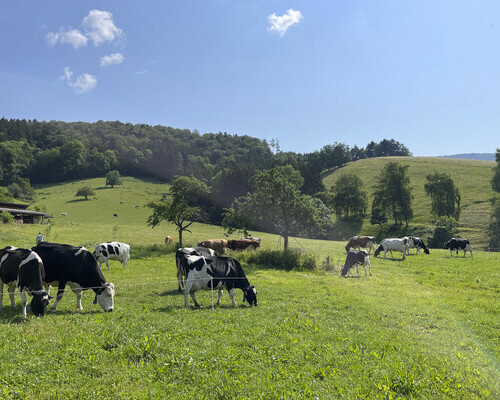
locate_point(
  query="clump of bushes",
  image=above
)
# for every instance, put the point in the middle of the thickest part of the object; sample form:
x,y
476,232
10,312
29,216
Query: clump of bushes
x,y
446,228
286,260
6,217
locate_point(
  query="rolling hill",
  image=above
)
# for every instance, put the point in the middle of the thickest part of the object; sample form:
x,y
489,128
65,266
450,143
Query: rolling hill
x,y
472,177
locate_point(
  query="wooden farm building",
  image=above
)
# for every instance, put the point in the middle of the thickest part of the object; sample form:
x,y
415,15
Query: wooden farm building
x,y
22,215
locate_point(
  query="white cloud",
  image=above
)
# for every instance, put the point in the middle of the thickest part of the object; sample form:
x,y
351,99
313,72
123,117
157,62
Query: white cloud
x,y
112,59
72,37
100,28
82,84
280,24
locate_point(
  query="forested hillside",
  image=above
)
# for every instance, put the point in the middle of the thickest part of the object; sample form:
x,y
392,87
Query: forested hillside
x,y
54,151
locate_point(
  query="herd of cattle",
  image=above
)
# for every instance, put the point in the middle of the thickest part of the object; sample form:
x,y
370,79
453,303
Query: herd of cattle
x,y
34,270
356,256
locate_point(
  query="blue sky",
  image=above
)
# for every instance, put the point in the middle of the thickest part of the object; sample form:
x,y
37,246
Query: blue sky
x,y
308,73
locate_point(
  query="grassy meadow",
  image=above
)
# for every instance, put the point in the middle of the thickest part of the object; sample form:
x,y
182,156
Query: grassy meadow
x,y
471,177
424,328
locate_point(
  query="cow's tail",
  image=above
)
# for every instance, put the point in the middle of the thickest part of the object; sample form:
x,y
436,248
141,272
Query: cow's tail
x,y
377,252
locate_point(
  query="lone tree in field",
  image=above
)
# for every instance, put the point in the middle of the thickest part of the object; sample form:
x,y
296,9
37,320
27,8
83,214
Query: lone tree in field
x,y
277,205
445,197
85,191
113,178
392,194
347,196
180,205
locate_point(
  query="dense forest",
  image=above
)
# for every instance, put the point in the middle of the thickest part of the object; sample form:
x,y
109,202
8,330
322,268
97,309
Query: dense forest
x,y
35,152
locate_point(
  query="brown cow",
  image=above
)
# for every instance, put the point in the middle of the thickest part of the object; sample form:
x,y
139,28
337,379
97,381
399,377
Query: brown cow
x,y
356,242
219,245
355,258
243,244
168,240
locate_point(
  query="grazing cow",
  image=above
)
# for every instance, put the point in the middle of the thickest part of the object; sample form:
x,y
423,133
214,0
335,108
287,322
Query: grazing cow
x,y
180,261
416,243
115,215
112,251
64,214
356,242
458,244
168,240
355,258
243,244
218,245
392,244
77,267
122,202
217,273
23,268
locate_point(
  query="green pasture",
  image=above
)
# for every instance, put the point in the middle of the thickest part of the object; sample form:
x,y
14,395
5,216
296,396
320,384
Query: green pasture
x,y
424,328
472,177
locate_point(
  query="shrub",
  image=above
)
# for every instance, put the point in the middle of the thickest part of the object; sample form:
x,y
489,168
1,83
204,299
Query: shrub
x,y
6,217
286,260
446,228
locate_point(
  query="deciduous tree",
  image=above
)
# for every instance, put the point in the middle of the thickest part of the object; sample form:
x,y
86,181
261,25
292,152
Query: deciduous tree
x,y
277,205
85,191
445,197
393,193
180,205
347,196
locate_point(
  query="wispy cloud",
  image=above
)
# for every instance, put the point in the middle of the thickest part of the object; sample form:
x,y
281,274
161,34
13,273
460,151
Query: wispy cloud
x,y
100,28
112,59
72,37
82,84
280,24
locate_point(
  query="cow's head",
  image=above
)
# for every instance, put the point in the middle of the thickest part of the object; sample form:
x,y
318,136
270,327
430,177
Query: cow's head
x,y
447,244
250,295
39,303
105,296
344,270
347,247
426,251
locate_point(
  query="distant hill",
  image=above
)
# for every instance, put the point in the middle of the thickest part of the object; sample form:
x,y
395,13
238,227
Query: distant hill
x,y
473,156
472,177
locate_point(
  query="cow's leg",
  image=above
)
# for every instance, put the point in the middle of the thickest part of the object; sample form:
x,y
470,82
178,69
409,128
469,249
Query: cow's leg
x,y
391,254
77,290
369,268
194,299
12,289
107,263
24,301
357,269
220,295
124,263
187,289
179,279
385,253
60,294
47,287
231,294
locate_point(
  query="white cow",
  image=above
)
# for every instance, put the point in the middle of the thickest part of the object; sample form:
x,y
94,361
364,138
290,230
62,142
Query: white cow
x,y
400,245
112,251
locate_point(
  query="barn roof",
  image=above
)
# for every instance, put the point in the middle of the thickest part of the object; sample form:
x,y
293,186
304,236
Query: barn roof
x,y
17,211
17,206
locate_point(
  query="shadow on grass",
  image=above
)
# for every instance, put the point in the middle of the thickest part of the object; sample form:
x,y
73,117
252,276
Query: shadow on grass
x,y
77,200
172,292
103,188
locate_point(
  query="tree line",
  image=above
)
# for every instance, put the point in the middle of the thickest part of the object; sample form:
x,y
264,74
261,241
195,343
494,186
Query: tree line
x,y
33,152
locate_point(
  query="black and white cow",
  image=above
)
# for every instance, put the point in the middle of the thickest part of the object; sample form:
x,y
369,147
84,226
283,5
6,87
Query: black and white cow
x,y
416,243
391,245
456,244
77,267
180,261
217,273
112,251
23,268
355,258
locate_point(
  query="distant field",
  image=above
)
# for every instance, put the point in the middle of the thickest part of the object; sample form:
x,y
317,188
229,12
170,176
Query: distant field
x,y
472,178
